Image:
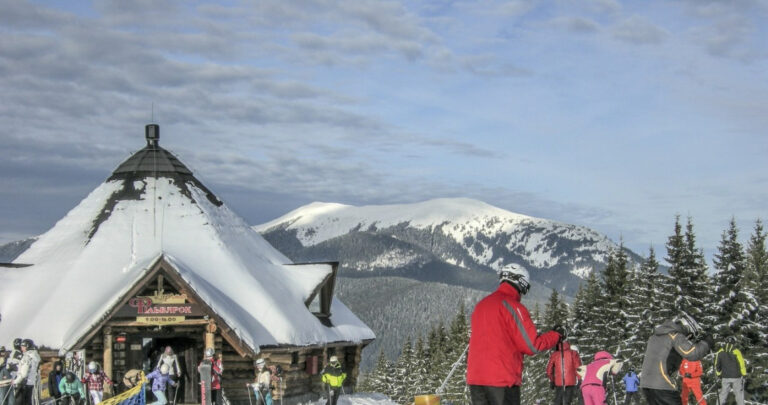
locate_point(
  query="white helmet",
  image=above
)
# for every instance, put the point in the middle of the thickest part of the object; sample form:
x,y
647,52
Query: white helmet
x,y
209,352
164,369
260,363
92,366
333,360
516,275
689,324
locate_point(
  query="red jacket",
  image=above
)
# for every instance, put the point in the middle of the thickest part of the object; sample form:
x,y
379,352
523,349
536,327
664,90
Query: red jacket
x,y
216,370
497,343
563,359
690,367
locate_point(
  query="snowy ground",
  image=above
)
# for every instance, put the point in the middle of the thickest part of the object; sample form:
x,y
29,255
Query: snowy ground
x,y
365,398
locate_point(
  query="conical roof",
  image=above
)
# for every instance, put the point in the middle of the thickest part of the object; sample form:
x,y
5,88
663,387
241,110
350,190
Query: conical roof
x,y
152,160
93,256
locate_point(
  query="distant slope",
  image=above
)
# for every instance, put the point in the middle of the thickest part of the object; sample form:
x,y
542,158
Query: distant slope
x,y
458,241
11,251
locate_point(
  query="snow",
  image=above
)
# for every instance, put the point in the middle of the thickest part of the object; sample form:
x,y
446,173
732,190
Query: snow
x,y
251,285
462,219
359,399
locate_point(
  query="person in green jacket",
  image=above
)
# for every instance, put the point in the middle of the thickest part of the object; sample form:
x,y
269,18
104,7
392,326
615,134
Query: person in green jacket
x,y
333,377
730,367
72,387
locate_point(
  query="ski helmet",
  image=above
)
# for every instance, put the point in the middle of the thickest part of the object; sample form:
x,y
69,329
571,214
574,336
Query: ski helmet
x,y
260,363
334,360
516,275
2,350
70,377
164,369
209,352
17,343
92,366
28,343
690,326
731,340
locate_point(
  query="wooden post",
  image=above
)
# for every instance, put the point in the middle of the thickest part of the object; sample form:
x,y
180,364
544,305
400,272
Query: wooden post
x,y
210,334
107,366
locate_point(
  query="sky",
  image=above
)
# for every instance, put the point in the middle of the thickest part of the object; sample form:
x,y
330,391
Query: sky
x,y
610,114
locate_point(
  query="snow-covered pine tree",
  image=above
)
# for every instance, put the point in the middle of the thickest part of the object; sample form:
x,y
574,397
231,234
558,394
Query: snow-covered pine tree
x,y
588,320
380,378
644,309
437,340
535,384
688,270
420,368
555,312
403,374
729,261
616,285
756,332
458,339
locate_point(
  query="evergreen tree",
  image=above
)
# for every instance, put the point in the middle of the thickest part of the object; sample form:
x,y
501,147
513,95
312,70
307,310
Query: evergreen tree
x,y
420,368
616,284
729,262
645,309
403,375
755,332
380,378
555,312
688,271
588,320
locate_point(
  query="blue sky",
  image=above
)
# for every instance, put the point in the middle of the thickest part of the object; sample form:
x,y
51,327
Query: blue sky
x,y
615,115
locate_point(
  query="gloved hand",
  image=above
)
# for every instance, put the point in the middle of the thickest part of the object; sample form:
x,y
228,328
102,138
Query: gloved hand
x,y
688,375
561,330
710,342
551,385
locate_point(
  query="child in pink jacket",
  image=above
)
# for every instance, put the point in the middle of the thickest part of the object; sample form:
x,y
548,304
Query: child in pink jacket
x,y
594,377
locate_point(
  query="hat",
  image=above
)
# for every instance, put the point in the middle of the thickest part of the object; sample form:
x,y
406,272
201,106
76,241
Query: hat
x,y
334,359
260,362
164,369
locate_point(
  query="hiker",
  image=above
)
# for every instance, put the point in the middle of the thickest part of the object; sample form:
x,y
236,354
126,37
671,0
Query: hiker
x,y
95,379
669,344
160,381
170,359
333,377
502,333
54,378
730,367
631,383
595,377
561,371
263,383
72,387
29,372
691,372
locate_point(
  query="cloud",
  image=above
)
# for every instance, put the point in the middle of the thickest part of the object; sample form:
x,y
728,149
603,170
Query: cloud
x,y
639,31
579,25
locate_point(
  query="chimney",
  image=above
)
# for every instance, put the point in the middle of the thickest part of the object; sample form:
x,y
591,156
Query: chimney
x,y
153,134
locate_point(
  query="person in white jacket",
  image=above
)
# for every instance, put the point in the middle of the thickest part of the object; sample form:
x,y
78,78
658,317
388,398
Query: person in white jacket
x,y
169,359
29,372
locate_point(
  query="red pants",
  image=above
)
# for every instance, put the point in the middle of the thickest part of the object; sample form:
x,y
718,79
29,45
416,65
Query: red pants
x,y
692,386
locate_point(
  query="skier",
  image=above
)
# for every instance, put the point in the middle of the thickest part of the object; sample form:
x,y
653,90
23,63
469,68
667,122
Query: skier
x,y
502,333
691,372
54,378
217,368
630,384
333,377
561,371
595,377
669,344
729,366
261,386
13,366
29,372
160,380
95,379
71,387
169,358
6,390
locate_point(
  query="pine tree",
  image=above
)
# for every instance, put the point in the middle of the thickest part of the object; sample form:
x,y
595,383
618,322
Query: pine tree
x,y
729,262
645,305
755,333
380,378
616,284
403,375
555,312
588,320
688,270
458,339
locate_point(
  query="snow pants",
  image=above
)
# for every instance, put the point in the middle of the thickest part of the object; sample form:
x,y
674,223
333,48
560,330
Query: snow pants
x,y
564,395
333,395
593,394
735,384
487,395
161,400
632,396
662,397
692,386
96,396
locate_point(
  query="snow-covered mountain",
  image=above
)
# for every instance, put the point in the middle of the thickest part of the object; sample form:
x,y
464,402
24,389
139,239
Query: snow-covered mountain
x,y
457,239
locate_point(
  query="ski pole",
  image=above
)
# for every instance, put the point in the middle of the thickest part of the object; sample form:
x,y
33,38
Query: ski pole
x,y
249,394
613,388
10,387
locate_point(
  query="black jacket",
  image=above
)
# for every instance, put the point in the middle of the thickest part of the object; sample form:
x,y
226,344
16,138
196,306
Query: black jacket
x,y
53,386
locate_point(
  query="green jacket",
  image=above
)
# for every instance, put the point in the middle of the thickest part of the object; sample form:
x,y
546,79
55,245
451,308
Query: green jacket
x,y
75,387
334,376
729,363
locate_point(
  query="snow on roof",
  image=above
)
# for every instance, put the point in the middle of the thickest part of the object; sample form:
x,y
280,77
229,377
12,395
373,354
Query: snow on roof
x,y
74,280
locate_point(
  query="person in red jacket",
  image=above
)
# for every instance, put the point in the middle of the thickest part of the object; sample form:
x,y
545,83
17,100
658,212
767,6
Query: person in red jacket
x,y
691,372
561,371
502,333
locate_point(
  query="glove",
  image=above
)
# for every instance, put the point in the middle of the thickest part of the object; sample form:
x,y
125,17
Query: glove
x,y
710,342
688,375
561,330
551,385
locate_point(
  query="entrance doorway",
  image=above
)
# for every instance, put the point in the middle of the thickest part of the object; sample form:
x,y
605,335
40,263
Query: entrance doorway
x,y
144,350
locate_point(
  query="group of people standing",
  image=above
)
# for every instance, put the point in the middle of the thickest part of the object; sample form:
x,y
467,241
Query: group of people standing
x,y
19,373
503,332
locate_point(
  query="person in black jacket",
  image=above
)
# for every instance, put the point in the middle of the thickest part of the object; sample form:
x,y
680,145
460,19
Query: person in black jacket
x,y
54,378
6,390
